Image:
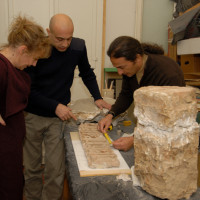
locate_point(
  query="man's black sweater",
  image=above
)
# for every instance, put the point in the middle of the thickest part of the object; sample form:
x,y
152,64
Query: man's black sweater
x,y
52,78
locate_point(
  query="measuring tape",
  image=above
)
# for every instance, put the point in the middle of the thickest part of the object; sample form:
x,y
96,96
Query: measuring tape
x,y
110,127
127,123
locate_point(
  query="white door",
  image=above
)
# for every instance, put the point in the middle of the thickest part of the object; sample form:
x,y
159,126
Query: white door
x,y
87,16
39,10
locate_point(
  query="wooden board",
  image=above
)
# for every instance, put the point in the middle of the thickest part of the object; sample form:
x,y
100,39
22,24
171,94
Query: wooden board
x,y
83,165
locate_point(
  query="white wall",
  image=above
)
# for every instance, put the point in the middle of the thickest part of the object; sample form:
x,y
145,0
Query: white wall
x,y
3,21
39,10
156,15
123,17
87,16
120,20
87,19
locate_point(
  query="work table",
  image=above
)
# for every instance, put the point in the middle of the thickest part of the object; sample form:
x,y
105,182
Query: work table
x,y
103,187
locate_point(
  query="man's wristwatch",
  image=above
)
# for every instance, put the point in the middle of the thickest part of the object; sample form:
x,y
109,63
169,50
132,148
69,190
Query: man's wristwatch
x,y
112,113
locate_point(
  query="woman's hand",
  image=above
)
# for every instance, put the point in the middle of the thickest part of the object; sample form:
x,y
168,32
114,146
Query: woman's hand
x,y
2,122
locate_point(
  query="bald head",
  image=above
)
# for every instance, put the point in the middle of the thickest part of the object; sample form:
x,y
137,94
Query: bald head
x,y
61,22
60,31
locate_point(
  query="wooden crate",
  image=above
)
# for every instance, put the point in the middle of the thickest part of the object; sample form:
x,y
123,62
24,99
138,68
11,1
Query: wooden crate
x,y
190,63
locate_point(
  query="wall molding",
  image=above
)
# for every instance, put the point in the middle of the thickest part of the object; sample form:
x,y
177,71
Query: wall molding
x,y
55,6
138,18
10,11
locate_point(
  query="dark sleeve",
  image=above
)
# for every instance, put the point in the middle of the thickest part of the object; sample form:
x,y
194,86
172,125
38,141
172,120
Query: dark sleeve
x,y
14,89
3,83
125,98
36,98
88,76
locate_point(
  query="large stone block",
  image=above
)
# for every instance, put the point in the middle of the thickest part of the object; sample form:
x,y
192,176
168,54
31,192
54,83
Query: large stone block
x,y
165,106
166,151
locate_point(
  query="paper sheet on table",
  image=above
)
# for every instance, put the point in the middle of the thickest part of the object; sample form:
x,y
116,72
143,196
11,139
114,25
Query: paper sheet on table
x,y
83,165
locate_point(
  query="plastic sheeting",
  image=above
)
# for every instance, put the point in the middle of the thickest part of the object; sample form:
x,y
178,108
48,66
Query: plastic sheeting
x,y
103,187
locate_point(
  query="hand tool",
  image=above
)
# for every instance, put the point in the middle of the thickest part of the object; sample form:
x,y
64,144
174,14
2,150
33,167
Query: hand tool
x,y
108,138
110,127
127,123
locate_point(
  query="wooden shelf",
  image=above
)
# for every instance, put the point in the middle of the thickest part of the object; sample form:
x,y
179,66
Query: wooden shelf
x,y
192,75
192,79
193,83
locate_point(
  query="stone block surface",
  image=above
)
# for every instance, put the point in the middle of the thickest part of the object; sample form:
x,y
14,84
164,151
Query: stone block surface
x,y
165,106
166,141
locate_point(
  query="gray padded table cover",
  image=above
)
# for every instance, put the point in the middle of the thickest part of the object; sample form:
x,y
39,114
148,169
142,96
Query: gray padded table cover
x,y
103,187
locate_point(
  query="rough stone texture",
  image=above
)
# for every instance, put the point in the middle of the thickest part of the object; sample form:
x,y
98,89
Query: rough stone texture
x,y
96,147
166,106
166,141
